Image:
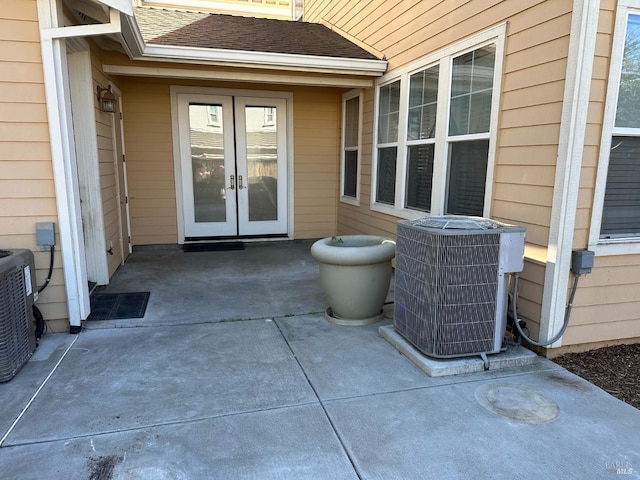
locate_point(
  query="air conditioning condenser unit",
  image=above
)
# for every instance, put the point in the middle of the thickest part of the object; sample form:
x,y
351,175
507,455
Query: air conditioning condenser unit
x,y
17,326
451,294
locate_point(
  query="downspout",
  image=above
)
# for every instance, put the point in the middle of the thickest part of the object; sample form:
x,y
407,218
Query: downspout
x,y
62,152
582,42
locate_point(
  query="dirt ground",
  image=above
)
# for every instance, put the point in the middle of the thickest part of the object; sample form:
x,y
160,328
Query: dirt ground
x,y
615,369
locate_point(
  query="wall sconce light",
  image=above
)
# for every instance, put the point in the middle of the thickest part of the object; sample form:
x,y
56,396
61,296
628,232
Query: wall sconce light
x,y
106,99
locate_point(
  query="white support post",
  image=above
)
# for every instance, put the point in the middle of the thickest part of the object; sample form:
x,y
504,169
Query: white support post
x,y
64,167
584,27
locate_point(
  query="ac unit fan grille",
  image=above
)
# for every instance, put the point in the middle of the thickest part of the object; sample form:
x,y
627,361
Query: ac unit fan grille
x,y
446,289
17,340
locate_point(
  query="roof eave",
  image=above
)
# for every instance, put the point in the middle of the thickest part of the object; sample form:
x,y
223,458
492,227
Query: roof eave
x,y
138,49
265,60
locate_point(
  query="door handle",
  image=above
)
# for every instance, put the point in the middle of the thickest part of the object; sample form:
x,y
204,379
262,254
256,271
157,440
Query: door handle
x,y
240,186
233,183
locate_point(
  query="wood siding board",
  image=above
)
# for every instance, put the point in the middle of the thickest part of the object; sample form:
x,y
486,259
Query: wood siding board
x,y
530,135
528,194
28,52
545,114
23,10
525,155
22,92
24,132
532,93
20,72
552,30
540,55
586,333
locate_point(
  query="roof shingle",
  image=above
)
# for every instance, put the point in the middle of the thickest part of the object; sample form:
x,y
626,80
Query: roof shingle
x,y
229,32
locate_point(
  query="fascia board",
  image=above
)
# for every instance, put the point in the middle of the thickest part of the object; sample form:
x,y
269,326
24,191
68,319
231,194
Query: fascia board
x,y
124,6
265,59
212,74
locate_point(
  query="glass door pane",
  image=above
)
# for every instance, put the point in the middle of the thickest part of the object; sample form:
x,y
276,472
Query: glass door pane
x,y
207,163
262,163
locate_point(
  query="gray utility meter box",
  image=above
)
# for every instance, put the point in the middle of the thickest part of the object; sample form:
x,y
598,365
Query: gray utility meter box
x,y
450,290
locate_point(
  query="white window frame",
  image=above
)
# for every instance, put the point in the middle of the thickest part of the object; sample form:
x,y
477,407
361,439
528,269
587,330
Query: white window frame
x,y
345,97
622,245
443,58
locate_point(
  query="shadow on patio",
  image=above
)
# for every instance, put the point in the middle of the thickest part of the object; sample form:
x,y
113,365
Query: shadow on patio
x,y
267,279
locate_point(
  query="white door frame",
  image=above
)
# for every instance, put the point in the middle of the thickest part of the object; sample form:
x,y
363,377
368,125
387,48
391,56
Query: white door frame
x,y
180,89
118,123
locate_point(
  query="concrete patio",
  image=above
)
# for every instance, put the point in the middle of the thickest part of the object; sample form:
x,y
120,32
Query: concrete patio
x,y
233,373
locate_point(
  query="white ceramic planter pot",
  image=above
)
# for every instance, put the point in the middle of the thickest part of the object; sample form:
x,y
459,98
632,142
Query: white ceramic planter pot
x,y
355,273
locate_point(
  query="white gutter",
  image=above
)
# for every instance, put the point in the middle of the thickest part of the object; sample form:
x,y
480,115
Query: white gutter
x,y
124,6
582,43
215,74
281,61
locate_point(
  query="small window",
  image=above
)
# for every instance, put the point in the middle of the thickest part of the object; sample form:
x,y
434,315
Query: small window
x,y
350,146
269,116
214,112
421,132
621,204
388,117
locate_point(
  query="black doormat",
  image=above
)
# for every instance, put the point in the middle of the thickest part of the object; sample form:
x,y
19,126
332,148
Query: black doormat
x,y
112,306
212,247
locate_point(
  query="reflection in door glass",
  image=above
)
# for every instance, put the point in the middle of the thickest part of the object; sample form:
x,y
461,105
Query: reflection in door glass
x,y
262,165
207,163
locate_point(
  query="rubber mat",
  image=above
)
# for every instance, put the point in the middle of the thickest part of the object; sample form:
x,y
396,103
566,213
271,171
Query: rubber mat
x,y
212,247
112,306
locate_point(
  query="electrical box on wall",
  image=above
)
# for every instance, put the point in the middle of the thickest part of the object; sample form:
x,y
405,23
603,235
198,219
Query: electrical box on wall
x,y
582,261
45,233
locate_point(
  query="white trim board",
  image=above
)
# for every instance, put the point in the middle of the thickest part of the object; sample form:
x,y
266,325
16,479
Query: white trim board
x,y
618,246
494,35
582,43
270,78
260,60
64,166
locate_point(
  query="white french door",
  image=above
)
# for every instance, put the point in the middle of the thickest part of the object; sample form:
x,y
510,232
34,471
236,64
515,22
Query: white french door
x,y
233,165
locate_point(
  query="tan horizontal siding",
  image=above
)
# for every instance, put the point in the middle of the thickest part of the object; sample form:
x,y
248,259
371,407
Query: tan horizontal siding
x,y
150,164
27,193
607,303
316,153
150,170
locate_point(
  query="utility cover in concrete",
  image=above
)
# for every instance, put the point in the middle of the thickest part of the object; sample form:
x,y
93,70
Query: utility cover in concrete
x,y
517,402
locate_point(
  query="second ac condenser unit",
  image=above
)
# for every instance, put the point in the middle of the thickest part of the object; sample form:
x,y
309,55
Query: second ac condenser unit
x,y
450,289
17,327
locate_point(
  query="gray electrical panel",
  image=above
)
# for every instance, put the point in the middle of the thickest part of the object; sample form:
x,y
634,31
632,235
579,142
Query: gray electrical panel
x,y
45,233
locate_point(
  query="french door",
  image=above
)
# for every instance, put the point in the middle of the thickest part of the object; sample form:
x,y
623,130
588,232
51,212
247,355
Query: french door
x,y
233,165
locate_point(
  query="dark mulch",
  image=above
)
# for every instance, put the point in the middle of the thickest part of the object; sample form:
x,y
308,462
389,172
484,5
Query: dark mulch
x,y
615,369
